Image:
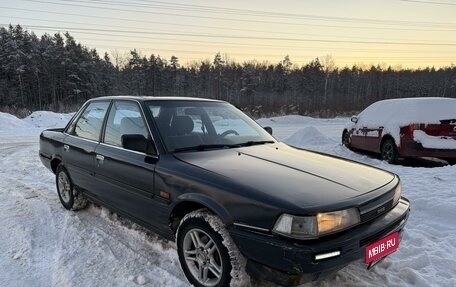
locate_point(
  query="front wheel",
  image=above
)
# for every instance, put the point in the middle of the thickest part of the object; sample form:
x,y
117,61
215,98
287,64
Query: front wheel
x,y
71,198
207,254
346,139
389,151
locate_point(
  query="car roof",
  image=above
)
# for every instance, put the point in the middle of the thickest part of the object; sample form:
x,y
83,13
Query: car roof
x,y
416,99
404,111
404,105
149,98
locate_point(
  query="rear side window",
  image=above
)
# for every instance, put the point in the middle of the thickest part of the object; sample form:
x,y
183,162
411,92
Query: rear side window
x,y
124,119
89,124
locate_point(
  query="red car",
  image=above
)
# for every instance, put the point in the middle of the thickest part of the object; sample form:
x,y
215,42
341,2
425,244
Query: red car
x,y
409,127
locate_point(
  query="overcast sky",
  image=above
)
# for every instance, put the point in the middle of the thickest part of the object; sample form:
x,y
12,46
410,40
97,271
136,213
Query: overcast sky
x,y
396,32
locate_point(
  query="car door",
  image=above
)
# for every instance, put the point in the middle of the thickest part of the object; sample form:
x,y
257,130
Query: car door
x,y
357,138
373,137
79,146
125,174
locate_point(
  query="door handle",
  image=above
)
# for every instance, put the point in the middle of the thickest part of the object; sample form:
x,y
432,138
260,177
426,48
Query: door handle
x,y
99,157
66,147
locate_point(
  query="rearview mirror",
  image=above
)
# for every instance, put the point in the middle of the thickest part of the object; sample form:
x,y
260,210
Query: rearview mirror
x,y
194,111
268,129
354,119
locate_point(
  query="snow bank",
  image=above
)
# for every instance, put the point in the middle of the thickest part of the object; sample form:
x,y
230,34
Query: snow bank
x,y
285,126
43,119
10,122
307,137
291,119
39,119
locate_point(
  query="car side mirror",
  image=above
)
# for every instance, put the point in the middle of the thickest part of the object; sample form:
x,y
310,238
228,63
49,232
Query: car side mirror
x,y
135,142
354,119
268,129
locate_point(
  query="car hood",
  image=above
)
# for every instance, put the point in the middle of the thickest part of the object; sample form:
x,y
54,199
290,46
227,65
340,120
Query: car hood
x,y
302,178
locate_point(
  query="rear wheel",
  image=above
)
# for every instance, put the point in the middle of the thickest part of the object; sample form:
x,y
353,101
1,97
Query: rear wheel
x,y
71,198
451,161
207,254
389,151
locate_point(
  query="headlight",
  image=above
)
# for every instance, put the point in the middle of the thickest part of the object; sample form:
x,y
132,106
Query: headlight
x,y
307,227
397,194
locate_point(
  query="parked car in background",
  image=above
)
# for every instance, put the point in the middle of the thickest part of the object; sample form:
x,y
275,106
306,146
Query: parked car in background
x,y
206,175
403,128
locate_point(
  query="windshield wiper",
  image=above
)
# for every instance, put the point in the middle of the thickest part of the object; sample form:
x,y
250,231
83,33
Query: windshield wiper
x,y
250,143
202,147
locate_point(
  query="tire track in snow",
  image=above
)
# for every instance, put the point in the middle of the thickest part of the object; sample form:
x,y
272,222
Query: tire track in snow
x,y
39,226
49,260
40,223
145,246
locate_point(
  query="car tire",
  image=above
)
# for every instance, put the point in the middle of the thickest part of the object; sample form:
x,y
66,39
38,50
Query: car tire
x,y
70,197
207,254
346,139
388,151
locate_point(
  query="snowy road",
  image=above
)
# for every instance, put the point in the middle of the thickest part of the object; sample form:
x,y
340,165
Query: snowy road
x,y
42,244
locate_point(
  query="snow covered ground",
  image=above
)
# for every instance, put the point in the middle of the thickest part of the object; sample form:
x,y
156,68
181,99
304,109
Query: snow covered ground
x,y
42,244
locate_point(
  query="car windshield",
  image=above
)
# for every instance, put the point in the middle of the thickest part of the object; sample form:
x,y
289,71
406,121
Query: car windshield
x,y
202,125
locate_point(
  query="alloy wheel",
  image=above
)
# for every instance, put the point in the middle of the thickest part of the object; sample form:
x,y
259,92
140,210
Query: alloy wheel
x,y
64,187
202,257
389,151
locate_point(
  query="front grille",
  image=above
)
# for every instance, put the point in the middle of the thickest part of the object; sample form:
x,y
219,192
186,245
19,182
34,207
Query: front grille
x,y
374,237
377,211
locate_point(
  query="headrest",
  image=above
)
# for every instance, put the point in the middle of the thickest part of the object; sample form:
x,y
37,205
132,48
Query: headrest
x,y
182,125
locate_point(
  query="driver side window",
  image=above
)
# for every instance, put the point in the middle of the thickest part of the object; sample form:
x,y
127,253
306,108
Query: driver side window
x,y
126,128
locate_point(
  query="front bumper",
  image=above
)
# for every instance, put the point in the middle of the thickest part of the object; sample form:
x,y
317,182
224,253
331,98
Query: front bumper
x,y
287,261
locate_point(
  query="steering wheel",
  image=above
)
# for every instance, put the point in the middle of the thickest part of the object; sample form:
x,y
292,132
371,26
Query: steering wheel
x,y
225,133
